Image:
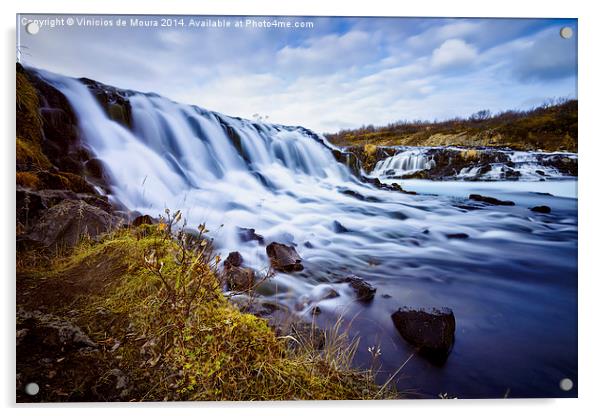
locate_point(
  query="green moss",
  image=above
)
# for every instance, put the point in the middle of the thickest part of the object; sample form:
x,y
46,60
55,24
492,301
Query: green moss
x,y
30,155
193,345
29,122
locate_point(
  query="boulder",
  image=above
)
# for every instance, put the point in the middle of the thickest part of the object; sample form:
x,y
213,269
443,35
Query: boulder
x,y
489,200
542,209
238,278
142,220
364,291
432,333
66,223
459,236
284,258
339,228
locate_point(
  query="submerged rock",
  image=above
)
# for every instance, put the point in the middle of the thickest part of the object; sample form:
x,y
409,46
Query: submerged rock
x,y
284,258
432,333
542,209
460,236
339,228
248,234
363,290
489,200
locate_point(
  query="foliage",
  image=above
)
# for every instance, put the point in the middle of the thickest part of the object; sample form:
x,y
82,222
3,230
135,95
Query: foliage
x,y
180,338
551,126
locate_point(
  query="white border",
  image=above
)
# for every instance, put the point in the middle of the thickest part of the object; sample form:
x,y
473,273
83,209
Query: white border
x,y
590,153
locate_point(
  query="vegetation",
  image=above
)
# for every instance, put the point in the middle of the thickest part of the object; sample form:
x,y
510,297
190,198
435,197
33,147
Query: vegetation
x,y
551,126
153,302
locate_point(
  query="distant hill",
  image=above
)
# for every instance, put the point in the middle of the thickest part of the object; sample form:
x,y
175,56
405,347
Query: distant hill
x,y
550,127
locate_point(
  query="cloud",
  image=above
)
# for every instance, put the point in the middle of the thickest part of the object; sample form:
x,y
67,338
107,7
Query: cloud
x,y
453,53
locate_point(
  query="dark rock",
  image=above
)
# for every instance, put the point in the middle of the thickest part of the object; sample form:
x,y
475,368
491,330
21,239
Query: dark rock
x,y
237,277
316,310
248,234
386,296
364,291
142,220
50,331
432,333
66,223
284,258
339,228
542,209
489,200
233,259
540,172
308,244
457,236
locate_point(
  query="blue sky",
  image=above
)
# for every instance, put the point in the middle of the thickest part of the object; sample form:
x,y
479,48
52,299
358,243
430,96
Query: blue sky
x,y
341,73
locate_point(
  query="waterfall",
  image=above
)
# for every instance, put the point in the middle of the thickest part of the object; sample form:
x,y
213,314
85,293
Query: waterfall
x,y
404,162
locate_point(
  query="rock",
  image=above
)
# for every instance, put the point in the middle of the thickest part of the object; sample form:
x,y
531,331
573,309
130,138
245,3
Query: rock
x,y
540,172
51,331
489,200
248,234
237,277
339,228
386,296
66,223
461,236
284,258
233,259
432,333
329,293
542,209
142,220
316,310
364,290
308,244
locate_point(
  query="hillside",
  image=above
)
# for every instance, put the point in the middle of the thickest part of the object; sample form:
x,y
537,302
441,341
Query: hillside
x,y
550,127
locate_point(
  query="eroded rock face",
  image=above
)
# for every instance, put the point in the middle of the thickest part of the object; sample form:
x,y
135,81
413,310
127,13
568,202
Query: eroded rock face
x,y
66,223
284,258
431,332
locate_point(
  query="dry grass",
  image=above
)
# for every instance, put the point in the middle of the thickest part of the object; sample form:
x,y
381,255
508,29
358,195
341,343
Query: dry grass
x,y
180,337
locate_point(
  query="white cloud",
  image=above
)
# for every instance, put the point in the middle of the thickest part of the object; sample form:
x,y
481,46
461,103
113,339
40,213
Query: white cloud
x,y
453,53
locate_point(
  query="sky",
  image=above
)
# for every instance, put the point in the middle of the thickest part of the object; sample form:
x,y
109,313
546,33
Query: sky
x,y
332,74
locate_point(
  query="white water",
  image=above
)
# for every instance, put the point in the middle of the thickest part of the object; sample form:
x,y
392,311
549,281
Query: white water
x,y
515,270
529,164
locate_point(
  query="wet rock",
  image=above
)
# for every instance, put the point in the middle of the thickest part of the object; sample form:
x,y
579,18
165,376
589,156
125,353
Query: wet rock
x,y
66,223
364,291
432,333
233,259
316,310
540,172
308,244
248,234
339,228
142,220
386,296
284,258
460,236
238,278
542,209
490,200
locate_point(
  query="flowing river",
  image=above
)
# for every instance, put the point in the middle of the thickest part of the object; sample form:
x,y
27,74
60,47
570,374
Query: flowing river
x,y
512,284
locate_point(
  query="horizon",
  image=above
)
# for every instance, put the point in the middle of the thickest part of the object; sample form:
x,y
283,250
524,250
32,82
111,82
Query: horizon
x,y
343,73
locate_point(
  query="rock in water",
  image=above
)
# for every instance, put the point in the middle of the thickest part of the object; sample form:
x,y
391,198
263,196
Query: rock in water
x,y
237,277
364,290
542,209
248,234
339,228
284,258
432,333
489,200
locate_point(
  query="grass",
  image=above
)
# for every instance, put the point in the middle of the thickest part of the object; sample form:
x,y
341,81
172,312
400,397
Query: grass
x,y
180,338
551,127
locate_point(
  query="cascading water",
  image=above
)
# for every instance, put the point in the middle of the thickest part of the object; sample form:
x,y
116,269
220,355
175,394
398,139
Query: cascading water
x,y
514,270
404,162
